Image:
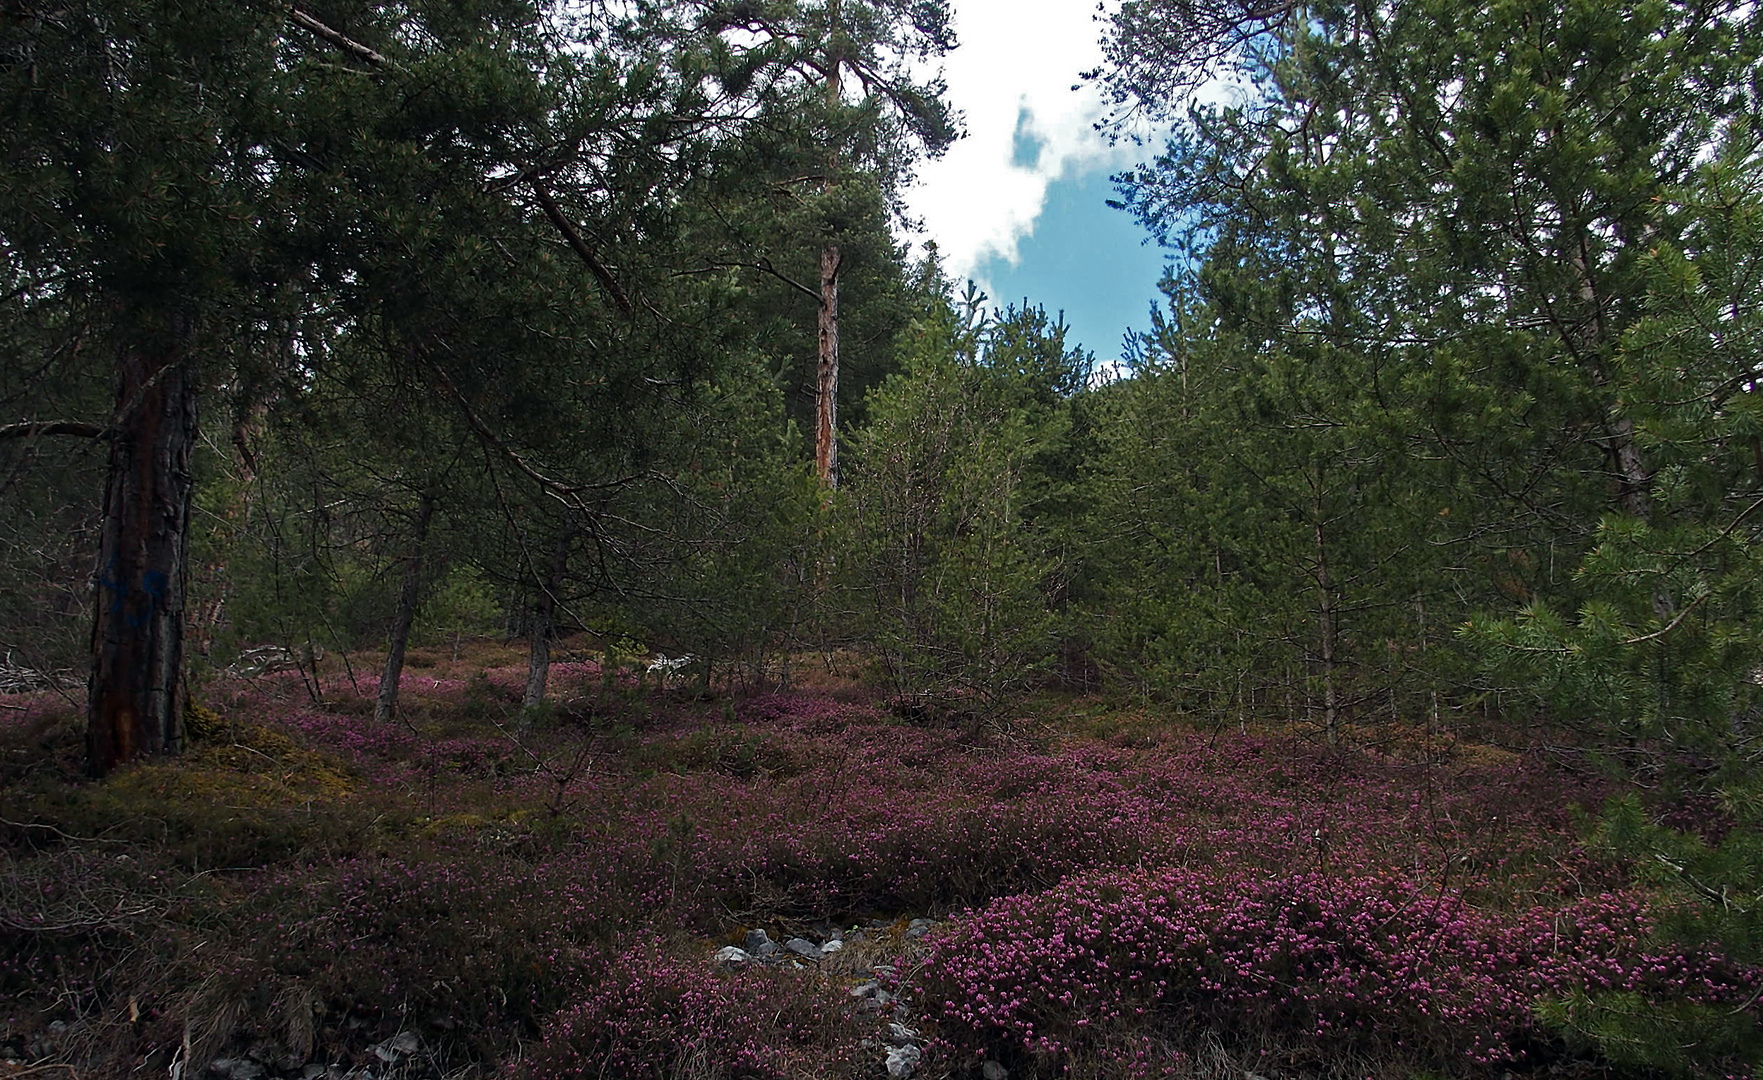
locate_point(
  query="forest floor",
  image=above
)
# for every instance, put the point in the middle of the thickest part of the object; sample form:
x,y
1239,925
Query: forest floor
x,y
1066,889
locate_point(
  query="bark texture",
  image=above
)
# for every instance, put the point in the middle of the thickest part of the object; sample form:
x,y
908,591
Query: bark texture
x,y
544,622
826,414
826,418
386,706
136,692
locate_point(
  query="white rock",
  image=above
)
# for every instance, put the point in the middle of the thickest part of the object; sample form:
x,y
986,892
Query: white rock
x,y
902,1060
833,946
732,956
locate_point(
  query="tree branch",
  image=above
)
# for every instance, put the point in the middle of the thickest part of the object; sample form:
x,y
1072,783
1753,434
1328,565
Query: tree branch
x,y
349,45
32,428
580,246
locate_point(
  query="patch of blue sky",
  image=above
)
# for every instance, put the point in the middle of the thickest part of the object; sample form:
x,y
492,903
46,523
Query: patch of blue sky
x,y
1083,258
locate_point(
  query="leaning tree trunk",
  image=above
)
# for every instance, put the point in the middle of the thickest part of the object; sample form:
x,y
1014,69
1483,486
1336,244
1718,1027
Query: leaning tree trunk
x,y
136,694
386,706
544,616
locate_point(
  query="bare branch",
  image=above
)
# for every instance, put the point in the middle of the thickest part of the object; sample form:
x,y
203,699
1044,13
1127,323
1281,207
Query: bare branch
x,y
33,428
349,45
580,246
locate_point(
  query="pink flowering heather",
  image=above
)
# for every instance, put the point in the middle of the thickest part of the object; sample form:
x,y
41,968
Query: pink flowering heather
x,y
1112,906
652,1014
1379,964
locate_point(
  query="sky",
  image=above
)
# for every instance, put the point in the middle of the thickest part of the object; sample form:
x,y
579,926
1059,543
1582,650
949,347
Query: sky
x,y
1019,205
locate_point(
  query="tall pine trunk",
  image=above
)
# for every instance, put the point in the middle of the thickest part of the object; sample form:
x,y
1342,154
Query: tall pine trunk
x,y
826,413
826,418
404,617
136,692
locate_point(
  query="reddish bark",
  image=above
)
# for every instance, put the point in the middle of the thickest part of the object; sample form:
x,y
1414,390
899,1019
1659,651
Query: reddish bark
x,y
136,699
826,417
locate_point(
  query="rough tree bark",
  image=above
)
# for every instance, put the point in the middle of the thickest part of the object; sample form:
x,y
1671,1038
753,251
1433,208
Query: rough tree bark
x,y
826,419
538,671
136,692
826,414
386,706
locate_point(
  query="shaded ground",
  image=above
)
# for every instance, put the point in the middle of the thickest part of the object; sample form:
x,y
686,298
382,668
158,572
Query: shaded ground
x,y
306,892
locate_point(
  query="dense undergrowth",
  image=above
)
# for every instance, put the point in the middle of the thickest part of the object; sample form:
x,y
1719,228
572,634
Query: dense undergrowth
x,y
1118,898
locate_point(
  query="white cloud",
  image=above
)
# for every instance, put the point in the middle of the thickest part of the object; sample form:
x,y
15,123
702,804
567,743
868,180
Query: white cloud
x,y
1016,65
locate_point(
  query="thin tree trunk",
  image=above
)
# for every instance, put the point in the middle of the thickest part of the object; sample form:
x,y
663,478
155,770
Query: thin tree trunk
x,y
826,414
1630,469
1632,478
386,706
1327,631
136,693
826,417
538,670
211,584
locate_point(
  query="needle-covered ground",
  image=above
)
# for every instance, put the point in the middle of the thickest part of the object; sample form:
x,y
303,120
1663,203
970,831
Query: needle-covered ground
x,y
306,892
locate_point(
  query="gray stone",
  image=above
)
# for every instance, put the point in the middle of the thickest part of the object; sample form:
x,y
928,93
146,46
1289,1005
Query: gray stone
x,y
991,1070
759,943
830,947
917,928
901,1035
902,1061
731,956
802,947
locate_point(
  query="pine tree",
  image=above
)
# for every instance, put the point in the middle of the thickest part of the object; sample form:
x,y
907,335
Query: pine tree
x,y
847,64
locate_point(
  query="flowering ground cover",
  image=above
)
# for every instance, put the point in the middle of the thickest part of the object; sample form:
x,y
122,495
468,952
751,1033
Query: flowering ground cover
x,y
466,893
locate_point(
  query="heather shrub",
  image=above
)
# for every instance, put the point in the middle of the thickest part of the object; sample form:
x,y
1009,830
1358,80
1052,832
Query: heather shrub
x,y
652,1016
467,946
67,917
734,750
1337,966
452,932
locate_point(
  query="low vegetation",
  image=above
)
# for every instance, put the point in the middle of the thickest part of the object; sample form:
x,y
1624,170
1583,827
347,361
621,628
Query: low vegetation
x,y
1112,897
